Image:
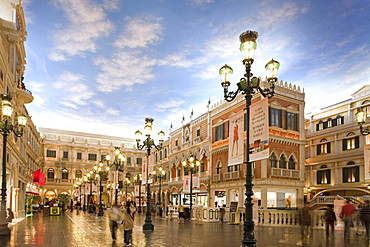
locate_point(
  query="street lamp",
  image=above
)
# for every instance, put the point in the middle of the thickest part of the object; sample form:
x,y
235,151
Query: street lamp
x,y
148,143
103,175
6,127
249,86
138,180
361,119
119,163
191,165
161,174
91,176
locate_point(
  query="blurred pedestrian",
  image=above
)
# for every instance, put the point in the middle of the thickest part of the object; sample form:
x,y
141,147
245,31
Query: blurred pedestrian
x,y
330,219
128,225
365,217
10,216
115,218
347,216
181,212
306,227
71,205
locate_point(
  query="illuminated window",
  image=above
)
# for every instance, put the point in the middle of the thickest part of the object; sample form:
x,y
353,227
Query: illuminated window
x,y
323,176
351,143
351,174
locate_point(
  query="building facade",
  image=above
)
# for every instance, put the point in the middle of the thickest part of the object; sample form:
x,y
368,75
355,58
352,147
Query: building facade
x,y
337,151
22,153
69,156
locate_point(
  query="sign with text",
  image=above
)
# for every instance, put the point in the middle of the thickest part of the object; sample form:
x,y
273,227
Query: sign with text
x,y
236,137
258,131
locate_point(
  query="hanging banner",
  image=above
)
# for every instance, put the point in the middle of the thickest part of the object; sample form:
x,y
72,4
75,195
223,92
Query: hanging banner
x,y
150,169
143,171
258,131
94,188
186,184
139,190
196,185
367,161
236,143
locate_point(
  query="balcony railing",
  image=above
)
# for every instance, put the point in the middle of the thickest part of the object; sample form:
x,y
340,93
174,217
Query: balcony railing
x,y
278,172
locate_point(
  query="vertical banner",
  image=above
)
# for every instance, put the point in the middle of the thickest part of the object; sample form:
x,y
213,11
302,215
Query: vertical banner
x,y
196,185
236,137
258,131
136,192
367,161
186,184
150,169
94,188
140,191
143,170
87,188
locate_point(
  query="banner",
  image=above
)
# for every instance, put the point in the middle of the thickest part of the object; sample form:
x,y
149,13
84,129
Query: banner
x,y
94,188
236,137
196,185
140,191
186,184
258,131
150,169
143,170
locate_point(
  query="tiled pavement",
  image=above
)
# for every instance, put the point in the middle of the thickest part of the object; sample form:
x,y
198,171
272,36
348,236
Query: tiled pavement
x,y
82,229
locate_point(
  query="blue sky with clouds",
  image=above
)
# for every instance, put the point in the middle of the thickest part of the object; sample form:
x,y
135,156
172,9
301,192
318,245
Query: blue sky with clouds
x,y
102,66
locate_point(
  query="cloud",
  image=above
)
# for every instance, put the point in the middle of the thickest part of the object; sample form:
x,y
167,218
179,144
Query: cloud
x,y
172,103
140,32
87,23
77,92
124,69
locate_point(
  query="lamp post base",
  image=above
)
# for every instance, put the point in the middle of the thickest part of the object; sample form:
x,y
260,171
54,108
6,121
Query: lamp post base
x,y
4,229
148,226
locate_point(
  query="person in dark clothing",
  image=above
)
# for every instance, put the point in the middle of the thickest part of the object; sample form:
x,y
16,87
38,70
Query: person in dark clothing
x,y
306,227
330,219
365,217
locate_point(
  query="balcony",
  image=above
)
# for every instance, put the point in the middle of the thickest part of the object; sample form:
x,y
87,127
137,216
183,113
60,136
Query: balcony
x,y
288,173
217,177
231,175
24,96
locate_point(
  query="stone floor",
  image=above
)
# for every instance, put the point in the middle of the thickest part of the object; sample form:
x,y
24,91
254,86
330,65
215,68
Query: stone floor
x,y
79,228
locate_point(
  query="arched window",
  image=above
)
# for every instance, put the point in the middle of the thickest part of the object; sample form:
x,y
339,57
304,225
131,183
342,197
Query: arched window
x,y
282,162
218,167
78,174
323,175
273,160
160,155
50,173
291,163
351,174
64,173
165,153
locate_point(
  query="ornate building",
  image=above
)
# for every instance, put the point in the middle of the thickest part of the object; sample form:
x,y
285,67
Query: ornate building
x,y
336,150
22,153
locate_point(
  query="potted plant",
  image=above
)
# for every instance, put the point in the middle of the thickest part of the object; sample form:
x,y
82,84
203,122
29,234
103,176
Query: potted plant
x,y
63,200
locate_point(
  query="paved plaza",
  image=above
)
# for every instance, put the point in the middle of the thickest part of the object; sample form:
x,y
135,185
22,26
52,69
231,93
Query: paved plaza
x,y
79,228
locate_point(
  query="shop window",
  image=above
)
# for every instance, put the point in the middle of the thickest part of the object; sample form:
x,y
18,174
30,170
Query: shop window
x,y
323,176
292,163
64,174
282,162
273,160
50,173
323,148
51,153
275,117
351,174
351,143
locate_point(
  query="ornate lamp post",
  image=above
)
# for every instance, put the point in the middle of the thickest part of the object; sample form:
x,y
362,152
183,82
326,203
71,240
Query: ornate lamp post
x,y
91,177
160,175
138,180
249,86
103,175
191,165
148,143
6,127
127,183
361,119
119,163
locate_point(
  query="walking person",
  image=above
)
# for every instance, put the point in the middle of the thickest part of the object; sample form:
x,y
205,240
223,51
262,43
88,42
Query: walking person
x,y
365,217
128,225
115,218
181,211
347,216
10,216
306,228
330,220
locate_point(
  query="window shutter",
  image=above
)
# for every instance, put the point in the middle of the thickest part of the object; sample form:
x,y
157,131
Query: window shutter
x,y
318,149
344,144
329,151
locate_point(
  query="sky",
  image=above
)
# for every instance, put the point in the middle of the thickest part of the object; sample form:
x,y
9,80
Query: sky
x,y
103,66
